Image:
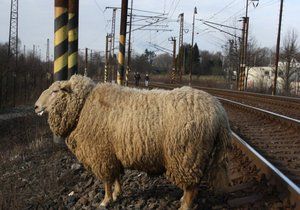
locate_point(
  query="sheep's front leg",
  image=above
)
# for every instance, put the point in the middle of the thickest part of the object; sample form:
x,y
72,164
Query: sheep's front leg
x,y
117,190
187,198
108,194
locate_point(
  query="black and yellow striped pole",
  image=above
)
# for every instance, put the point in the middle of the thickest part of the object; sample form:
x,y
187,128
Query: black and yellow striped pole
x,y
106,58
61,40
122,39
243,55
242,78
60,47
173,72
73,37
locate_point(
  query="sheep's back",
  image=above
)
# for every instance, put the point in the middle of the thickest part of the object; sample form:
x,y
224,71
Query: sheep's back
x,y
145,129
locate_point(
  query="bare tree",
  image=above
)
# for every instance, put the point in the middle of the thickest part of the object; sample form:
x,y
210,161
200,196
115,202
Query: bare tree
x,y
289,53
163,62
231,53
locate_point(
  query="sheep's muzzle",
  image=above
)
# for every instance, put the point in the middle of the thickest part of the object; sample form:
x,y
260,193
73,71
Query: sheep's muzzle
x,y
39,110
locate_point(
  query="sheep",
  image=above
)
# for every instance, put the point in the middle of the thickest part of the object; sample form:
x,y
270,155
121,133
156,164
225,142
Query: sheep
x,y
183,133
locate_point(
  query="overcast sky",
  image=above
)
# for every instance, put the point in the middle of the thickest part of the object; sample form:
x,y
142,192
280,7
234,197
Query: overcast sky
x,y
36,22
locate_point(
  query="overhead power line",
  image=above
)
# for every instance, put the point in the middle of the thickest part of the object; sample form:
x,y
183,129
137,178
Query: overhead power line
x,y
155,29
138,18
218,24
149,24
221,10
159,25
226,32
139,10
160,48
148,16
175,8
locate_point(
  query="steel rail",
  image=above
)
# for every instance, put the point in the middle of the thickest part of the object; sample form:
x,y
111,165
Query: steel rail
x,y
261,95
276,97
269,169
280,116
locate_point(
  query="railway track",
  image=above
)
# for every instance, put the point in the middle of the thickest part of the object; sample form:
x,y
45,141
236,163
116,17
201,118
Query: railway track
x,y
275,136
287,106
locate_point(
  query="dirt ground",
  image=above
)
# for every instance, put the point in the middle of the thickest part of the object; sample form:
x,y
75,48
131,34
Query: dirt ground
x,y
37,174
49,177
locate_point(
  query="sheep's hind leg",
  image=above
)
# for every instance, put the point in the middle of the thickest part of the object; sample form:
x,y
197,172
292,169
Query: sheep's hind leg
x,y
117,190
108,194
187,198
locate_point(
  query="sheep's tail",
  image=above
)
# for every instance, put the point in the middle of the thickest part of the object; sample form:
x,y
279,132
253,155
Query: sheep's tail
x,y
218,168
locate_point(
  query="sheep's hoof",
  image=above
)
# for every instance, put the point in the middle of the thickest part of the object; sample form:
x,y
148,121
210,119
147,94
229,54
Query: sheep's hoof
x,y
104,203
184,207
181,199
115,196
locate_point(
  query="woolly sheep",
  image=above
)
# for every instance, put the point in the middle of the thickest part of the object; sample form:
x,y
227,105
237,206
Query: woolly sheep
x,y
183,133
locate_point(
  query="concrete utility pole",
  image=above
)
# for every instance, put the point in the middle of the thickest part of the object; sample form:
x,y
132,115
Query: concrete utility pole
x,y
128,68
192,47
73,37
173,73
61,40
277,49
122,42
180,44
244,58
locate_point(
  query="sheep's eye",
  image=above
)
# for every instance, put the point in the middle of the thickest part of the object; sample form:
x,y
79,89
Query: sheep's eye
x,y
54,91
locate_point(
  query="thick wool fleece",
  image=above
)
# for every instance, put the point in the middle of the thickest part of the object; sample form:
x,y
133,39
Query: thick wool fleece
x,y
183,132
65,111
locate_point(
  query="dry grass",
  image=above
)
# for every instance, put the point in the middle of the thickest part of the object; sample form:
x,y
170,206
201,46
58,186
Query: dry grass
x,y
18,152
22,137
21,165
205,80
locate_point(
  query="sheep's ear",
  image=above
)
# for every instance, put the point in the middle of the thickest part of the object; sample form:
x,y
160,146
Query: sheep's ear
x,y
66,88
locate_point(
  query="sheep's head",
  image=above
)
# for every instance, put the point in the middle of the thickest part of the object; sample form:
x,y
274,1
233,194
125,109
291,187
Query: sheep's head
x,y
63,101
48,98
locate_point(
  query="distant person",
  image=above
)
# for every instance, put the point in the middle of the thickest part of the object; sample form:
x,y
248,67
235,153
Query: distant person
x,y
137,78
147,80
